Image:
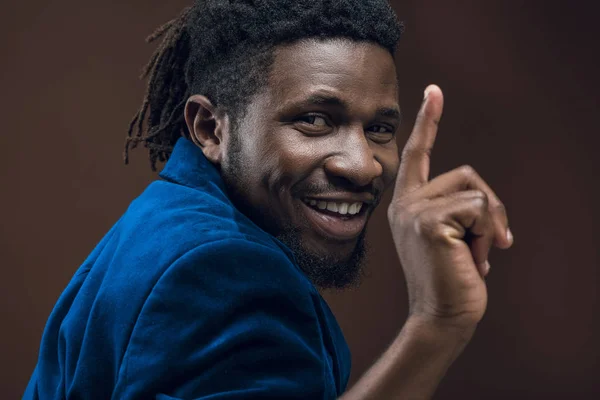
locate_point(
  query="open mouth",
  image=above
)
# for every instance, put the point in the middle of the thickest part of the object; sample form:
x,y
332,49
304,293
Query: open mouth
x,y
341,209
336,219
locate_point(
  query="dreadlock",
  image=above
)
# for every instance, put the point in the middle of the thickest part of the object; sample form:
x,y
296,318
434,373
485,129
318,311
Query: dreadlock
x,y
224,48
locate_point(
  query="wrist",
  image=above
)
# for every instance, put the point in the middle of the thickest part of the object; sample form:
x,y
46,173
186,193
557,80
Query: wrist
x,y
415,362
440,330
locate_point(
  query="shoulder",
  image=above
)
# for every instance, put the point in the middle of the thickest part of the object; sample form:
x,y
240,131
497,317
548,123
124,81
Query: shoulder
x,y
227,316
230,277
169,223
174,238
237,265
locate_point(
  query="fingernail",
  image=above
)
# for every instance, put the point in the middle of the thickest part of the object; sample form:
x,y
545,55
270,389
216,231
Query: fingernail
x,y
484,268
509,235
487,268
426,92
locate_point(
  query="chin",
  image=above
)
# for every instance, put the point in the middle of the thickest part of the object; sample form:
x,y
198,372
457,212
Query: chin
x,y
328,264
339,251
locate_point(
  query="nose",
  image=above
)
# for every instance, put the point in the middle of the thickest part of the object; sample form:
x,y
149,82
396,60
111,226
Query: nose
x,y
355,160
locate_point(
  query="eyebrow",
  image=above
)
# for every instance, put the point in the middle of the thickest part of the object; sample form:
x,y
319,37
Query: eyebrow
x,y
323,99
387,112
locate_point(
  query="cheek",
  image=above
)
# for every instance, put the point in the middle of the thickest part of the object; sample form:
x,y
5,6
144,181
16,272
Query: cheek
x,y
273,164
257,155
293,157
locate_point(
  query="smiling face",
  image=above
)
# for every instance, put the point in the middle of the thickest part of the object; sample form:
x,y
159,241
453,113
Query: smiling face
x,y
316,148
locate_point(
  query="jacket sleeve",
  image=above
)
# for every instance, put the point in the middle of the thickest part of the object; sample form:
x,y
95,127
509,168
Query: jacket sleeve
x,y
231,319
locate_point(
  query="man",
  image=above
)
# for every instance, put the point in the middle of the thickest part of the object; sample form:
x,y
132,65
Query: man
x,y
278,120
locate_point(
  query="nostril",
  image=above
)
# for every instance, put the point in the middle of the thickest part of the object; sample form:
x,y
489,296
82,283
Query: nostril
x,y
359,172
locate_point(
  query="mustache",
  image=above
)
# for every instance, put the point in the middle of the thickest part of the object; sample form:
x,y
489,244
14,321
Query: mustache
x,y
323,188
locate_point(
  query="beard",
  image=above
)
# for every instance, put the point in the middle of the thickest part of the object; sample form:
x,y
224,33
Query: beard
x,y
325,271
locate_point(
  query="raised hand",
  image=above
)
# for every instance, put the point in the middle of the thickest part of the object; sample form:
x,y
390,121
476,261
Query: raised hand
x,y
443,229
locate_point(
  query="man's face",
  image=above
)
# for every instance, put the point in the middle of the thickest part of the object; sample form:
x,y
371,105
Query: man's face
x,y
315,150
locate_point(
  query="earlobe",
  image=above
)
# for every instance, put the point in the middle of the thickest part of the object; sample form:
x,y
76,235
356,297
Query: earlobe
x,y
204,127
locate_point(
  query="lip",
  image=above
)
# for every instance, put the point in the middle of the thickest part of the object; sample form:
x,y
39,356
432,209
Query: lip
x,y
345,198
336,228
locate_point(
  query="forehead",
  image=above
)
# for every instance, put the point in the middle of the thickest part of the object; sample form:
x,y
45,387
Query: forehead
x,y
359,73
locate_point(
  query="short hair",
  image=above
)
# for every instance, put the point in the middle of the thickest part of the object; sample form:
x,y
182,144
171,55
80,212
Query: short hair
x,y
223,49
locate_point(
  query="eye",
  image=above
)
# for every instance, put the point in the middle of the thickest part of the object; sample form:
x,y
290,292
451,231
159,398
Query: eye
x,y
380,129
381,133
315,120
313,124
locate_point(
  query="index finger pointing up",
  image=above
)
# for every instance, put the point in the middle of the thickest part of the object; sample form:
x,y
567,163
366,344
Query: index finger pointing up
x,y
414,167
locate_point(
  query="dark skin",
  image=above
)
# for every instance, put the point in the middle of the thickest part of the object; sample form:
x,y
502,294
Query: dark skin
x,y
321,130
324,128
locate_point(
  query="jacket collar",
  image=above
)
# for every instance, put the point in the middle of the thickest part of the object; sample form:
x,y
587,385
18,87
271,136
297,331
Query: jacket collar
x,y
188,166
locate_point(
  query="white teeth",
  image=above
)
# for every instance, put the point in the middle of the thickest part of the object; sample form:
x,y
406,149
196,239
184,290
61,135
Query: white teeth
x,y
331,206
358,206
352,209
341,208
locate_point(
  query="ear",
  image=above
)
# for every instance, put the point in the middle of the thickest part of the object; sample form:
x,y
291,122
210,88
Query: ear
x,y
206,127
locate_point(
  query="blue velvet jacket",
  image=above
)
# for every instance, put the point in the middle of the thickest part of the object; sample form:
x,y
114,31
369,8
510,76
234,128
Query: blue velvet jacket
x,y
186,298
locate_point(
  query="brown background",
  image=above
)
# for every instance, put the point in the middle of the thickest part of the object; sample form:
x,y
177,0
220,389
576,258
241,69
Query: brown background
x,y
521,83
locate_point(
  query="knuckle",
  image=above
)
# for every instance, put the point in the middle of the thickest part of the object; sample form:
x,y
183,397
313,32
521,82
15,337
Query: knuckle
x,y
425,224
470,174
481,198
500,208
429,225
467,171
441,235
422,226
